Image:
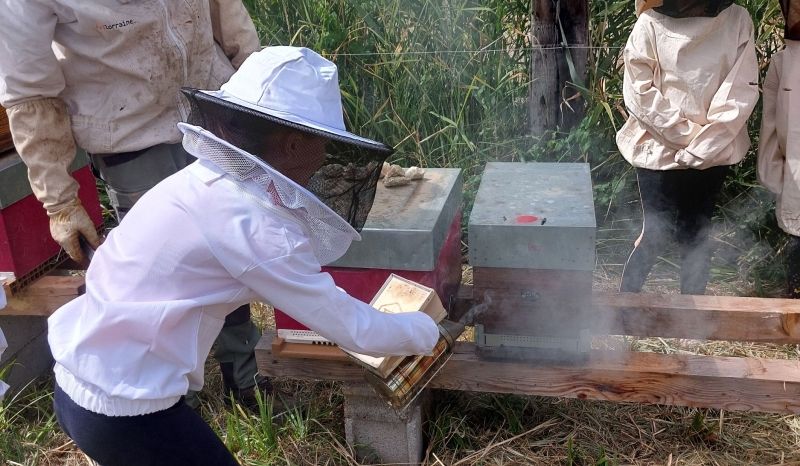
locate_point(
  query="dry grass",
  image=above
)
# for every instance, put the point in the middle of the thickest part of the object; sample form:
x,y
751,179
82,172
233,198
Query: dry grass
x,y
484,429
487,429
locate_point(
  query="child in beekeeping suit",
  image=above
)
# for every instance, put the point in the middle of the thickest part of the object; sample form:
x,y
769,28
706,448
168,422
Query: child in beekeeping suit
x,y
690,85
233,227
779,146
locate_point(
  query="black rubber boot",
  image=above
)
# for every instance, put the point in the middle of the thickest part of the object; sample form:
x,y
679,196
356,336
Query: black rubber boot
x,y
245,397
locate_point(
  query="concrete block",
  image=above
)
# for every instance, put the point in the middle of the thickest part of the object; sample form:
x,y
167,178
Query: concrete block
x,y
28,353
378,433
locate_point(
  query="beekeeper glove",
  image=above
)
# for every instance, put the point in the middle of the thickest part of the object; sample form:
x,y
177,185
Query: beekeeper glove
x,y
68,225
42,135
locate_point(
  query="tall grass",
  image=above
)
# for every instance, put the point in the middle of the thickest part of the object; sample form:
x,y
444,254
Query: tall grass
x,y
446,82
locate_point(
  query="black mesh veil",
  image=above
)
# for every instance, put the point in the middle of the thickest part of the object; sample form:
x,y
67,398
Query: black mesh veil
x,y
791,13
343,174
693,8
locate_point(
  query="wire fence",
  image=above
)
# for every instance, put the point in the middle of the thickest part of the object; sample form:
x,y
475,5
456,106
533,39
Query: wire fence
x,y
475,51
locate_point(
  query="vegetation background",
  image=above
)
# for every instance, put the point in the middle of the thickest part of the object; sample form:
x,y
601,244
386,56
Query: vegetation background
x,y
446,81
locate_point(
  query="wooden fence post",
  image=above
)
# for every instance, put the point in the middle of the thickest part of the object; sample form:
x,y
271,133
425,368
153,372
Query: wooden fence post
x,y
554,103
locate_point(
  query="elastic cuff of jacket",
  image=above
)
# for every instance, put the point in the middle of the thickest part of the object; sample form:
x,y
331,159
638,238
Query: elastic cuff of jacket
x,y
38,102
61,208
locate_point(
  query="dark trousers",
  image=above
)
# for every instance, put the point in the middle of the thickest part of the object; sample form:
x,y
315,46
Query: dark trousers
x,y
176,436
793,266
676,204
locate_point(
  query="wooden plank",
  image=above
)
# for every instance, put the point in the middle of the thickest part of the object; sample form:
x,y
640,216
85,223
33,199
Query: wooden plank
x,y
765,320
734,318
282,349
741,384
303,368
44,296
5,132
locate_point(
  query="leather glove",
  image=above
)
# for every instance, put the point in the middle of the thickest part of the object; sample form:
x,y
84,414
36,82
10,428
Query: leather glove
x,y
68,225
43,137
395,175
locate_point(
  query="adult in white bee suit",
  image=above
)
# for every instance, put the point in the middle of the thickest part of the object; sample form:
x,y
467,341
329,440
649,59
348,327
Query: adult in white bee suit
x,y
107,75
690,84
779,146
234,226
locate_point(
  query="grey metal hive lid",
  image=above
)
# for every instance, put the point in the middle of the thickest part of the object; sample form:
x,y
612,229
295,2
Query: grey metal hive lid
x,y
14,184
533,215
407,225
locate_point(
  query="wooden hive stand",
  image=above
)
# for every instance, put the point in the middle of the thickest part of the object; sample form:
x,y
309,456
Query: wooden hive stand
x,y
730,383
24,323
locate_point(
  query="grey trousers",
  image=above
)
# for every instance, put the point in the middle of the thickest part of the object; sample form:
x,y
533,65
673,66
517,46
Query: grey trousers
x,y
127,177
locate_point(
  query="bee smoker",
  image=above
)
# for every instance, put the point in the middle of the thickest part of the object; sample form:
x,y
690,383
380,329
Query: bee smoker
x,y
402,386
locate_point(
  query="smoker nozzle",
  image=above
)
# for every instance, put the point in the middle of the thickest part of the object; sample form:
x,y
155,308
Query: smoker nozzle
x,y
451,331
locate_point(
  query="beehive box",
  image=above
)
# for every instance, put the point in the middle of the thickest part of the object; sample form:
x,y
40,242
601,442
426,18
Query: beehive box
x,y
26,248
531,246
413,231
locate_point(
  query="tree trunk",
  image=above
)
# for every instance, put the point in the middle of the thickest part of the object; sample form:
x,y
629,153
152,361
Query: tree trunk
x,y
554,102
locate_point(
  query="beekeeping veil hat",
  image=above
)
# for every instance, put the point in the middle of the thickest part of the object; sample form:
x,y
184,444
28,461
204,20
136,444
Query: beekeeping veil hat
x,y
282,89
791,13
684,8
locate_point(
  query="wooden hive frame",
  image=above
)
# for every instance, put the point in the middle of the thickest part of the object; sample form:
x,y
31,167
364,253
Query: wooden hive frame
x,y
731,383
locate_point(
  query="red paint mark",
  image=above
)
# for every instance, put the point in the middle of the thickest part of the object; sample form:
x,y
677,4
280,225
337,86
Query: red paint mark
x,y
526,218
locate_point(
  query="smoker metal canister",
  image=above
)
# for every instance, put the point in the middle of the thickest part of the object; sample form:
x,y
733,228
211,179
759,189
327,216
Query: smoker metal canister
x,y
402,386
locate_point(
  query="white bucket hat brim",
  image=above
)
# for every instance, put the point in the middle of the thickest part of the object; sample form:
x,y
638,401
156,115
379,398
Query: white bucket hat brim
x,y
291,86
298,122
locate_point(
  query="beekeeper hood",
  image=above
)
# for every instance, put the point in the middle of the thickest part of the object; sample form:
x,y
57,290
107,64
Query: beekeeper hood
x,y
683,8
330,184
791,13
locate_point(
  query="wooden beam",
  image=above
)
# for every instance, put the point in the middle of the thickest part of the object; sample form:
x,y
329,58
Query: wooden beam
x,y
765,320
734,318
741,384
283,349
44,296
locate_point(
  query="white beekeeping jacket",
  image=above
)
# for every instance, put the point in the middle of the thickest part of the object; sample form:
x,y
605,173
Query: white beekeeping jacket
x,y
690,85
194,248
119,66
779,145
